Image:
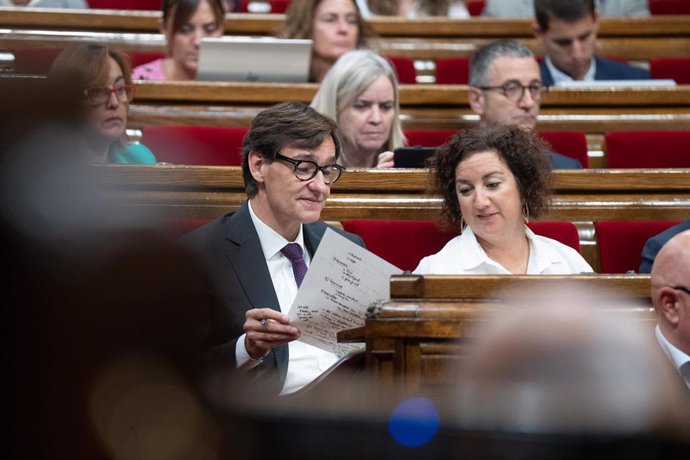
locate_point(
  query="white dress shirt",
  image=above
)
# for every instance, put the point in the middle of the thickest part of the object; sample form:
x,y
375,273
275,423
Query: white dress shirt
x,y
561,77
463,255
305,362
680,359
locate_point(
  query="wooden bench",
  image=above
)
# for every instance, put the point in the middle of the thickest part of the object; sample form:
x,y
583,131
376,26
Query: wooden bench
x,y
266,24
415,340
424,39
594,111
184,193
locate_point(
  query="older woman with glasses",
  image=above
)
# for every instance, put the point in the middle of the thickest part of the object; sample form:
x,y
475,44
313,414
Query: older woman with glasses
x,y
493,179
100,78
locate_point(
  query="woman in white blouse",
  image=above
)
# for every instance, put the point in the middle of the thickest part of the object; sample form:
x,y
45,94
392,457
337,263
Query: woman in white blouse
x,y
493,179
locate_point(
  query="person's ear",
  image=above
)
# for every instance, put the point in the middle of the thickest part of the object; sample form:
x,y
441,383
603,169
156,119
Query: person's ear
x,y
536,31
475,97
256,166
669,305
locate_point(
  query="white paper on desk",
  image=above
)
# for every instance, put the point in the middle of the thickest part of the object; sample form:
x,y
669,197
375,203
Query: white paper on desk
x,y
342,281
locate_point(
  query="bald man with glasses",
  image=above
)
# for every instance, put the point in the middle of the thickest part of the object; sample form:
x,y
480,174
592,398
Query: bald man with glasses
x,y
258,255
670,294
506,89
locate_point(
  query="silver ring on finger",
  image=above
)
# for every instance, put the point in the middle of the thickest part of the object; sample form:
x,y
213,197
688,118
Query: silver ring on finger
x,y
264,322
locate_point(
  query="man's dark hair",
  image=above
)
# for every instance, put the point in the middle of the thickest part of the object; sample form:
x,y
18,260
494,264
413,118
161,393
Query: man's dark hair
x,y
563,10
522,150
288,124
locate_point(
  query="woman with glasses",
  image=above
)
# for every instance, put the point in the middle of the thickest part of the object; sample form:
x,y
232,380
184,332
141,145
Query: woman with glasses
x,y
100,78
493,180
185,23
335,26
360,93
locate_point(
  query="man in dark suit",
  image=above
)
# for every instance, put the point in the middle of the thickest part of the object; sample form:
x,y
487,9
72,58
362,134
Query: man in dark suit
x,y
506,89
670,295
655,243
567,30
289,164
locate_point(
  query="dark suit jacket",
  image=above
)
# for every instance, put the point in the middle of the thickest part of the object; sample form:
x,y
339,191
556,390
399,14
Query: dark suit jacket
x,y
606,70
229,247
654,244
559,161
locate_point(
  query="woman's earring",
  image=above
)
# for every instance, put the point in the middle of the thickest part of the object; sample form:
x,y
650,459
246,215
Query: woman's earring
x,y
463,224
525,212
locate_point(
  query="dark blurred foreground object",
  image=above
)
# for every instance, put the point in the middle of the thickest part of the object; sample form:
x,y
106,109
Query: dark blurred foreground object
x,y
102,325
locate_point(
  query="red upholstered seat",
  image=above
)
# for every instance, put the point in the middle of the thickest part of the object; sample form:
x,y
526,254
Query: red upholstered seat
x,y
565,232
621,242
453,71
138,58
475,7
669,7
405,242
428,138
195,145
154,5
572,144
34,61
279,6
401,242
404,68
648,149
677,69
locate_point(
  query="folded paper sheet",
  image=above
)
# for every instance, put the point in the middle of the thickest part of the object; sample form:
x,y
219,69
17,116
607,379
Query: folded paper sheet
x,y
342,281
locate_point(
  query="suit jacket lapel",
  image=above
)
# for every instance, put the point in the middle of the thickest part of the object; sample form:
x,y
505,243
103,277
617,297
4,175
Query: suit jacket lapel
x,y
245,255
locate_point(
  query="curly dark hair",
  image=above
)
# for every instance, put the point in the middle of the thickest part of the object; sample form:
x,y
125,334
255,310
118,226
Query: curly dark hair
x,y
525,153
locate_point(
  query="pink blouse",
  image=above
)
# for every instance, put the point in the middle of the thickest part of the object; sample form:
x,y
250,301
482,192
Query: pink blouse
x,y
150,71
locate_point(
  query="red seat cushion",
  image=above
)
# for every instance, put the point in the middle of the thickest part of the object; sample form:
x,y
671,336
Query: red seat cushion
x,y
138,58
565,232
404,68
453,71
621,242
475,7
152,5
36,61
677,69
648,149
429,138
401,242
405,242
195,145
669,7
572,144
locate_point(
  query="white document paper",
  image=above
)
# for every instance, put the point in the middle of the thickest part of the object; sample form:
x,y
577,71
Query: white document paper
x,y
342,281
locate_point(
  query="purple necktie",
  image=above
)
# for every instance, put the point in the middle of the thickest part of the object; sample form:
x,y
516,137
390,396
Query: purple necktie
x,y
293,251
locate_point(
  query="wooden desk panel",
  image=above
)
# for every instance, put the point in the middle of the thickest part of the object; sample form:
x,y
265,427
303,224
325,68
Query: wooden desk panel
x,y
266,24
417,338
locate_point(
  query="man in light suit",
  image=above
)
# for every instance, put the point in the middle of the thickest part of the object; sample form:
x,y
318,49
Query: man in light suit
x,y
506,89
289,164
567,30
654,244
670,295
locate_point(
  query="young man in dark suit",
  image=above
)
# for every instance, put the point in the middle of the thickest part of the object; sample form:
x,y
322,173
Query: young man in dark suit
x,y
289,164
567,30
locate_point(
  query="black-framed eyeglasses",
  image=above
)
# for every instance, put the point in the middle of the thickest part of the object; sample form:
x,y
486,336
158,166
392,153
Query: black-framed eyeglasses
x,y
515,91
100,94
681,288
306,170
